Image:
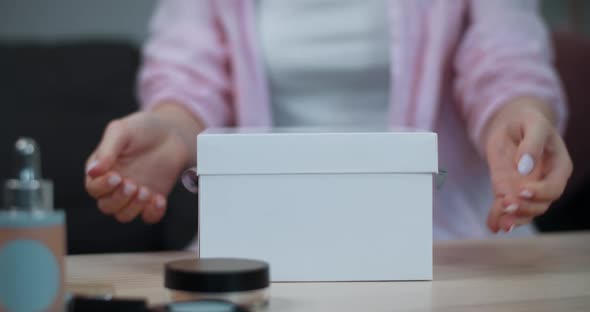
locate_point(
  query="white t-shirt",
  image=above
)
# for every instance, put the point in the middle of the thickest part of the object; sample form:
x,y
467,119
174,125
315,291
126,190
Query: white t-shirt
x,y
327,61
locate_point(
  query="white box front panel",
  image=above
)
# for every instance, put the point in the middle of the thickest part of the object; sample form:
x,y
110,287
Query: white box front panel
x,y
321,227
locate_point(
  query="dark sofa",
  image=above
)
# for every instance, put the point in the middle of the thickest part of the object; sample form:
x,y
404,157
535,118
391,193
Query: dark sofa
x,y
572,211
63,95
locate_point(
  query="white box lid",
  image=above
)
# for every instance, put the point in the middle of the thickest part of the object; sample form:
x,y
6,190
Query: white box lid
x,y
227,151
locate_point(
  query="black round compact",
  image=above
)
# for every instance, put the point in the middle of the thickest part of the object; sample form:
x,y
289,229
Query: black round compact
x,y
244,282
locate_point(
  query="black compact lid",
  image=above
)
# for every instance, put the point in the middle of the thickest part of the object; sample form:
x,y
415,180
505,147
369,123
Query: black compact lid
x,y
94,304
216,275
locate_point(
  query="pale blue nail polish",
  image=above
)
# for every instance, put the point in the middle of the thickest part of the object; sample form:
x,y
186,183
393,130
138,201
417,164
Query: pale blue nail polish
x,y
190,180
32,239
526,164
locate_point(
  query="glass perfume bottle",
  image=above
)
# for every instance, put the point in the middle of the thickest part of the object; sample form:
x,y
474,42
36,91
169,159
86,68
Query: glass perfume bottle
x,y
32,238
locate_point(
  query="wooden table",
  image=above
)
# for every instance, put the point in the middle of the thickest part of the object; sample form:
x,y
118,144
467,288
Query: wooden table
x,y
543,273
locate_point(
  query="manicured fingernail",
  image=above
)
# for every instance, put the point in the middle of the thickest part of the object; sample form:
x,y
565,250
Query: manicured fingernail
x,y
526,164
511,208
526,194
143,194
129,189
160,202
190,180
114,180
91,165
510,229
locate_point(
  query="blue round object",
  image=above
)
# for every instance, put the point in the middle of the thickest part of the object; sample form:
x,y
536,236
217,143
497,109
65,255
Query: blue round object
x,y
30,276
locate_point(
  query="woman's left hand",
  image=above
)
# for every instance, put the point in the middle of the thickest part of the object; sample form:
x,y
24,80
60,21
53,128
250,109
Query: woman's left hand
x,y
528,162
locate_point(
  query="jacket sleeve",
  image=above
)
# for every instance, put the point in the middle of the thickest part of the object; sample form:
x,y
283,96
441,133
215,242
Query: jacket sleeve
x,y
505,53
185,61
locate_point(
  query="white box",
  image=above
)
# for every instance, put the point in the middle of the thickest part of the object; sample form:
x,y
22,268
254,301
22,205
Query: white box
x,y
319,206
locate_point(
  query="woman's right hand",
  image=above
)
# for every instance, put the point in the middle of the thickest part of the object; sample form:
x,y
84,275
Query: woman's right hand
x,y
136,164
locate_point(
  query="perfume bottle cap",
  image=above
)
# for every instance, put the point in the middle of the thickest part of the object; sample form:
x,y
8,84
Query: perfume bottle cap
x,y
27,190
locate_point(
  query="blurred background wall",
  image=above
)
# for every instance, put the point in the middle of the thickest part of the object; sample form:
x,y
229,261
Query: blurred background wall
x,y
74,19
127,19
567,15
